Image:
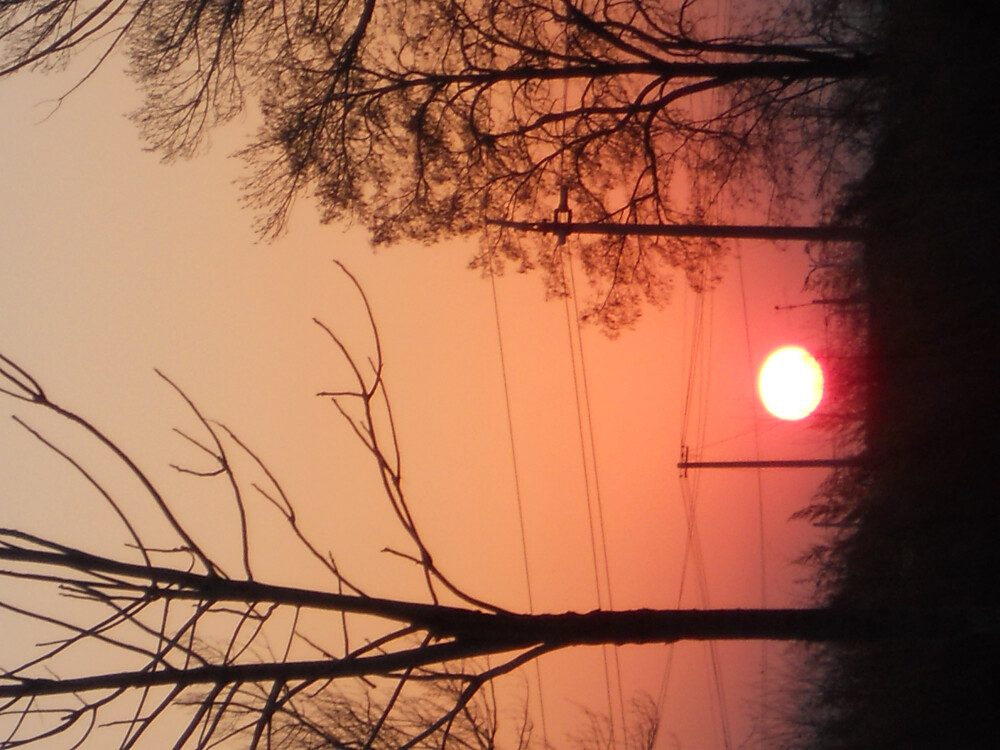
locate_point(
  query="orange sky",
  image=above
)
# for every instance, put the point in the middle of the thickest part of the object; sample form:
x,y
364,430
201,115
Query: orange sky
x,y
114,264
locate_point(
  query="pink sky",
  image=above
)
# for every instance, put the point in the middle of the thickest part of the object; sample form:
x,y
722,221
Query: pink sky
x,y
114,264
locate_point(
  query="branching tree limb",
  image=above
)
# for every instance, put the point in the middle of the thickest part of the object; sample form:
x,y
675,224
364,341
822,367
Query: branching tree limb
x,y
156,636
426,119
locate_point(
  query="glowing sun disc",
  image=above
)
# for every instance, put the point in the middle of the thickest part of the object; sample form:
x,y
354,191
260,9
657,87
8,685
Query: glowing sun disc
x,y
791,383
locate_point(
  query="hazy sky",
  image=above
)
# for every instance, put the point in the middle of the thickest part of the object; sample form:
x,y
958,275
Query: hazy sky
x,y
114,264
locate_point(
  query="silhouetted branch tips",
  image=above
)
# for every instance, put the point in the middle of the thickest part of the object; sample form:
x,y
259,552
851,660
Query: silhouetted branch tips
x,y
20,384
627,123
195,642
197,639
175,608
421,121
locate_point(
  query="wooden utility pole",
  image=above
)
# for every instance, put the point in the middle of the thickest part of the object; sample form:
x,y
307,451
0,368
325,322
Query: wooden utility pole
x,y
564,228
791,463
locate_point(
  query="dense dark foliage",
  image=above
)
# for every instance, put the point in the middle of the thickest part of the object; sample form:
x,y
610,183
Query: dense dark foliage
x,y
918,523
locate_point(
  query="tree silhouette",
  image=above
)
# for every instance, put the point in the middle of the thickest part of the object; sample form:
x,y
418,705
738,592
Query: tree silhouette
x,y
428,119
168,633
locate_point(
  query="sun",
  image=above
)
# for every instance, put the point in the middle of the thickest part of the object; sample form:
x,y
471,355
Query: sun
x,y
791,383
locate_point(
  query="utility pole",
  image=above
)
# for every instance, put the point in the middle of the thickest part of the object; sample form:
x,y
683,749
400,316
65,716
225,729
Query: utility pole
x,y
805,463
562,228
562,225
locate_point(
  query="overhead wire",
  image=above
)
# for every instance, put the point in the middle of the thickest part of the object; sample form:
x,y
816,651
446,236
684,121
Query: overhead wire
x,y
517,492
759,477
697,331
696,398
700,371
723,29
517,481
585,426
694,551
598,542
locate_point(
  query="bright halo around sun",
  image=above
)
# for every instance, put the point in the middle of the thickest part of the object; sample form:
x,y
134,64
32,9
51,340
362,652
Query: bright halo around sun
x,y
791,383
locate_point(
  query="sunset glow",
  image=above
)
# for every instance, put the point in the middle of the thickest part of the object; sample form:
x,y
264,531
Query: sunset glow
x,y
791,383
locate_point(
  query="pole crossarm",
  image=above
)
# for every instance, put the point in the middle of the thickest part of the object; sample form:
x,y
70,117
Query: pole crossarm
x,y
822,233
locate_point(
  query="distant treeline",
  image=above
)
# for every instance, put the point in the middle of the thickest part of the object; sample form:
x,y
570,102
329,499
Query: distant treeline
x,y
917,523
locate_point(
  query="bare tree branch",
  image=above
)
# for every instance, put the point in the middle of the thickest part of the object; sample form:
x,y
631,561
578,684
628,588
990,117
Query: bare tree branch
x,y
424,119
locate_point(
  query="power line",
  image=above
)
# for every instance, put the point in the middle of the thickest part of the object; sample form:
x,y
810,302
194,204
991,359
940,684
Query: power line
x,y
760,490
517,492
580,388
563,212
695,406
